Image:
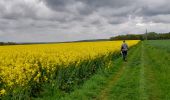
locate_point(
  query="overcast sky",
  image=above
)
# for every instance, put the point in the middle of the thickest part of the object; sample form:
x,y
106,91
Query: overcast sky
x,y
68,20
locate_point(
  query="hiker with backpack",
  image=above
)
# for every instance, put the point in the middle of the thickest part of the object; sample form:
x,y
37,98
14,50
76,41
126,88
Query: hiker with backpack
x,y
124,50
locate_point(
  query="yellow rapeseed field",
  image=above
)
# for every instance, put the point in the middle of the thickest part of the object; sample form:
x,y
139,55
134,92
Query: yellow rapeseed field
x,y
21,63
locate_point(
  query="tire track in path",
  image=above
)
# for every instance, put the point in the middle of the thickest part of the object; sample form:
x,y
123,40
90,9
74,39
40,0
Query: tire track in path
x,y
153,88
143,89
105,93
112,82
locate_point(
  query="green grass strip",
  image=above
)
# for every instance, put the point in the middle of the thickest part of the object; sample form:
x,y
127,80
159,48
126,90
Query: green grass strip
x,y
93,88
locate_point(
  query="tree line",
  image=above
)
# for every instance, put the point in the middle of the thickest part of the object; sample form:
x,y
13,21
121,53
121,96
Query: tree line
x,y
148,36
8,43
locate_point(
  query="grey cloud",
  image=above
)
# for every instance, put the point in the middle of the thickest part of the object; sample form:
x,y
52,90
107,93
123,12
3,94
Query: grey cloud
x,y
158,19
107,3
89,6
59,5
149,11
66,20
16,10
118,20
153,7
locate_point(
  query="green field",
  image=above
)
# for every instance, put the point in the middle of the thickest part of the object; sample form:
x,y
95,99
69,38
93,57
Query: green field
x,y
145,76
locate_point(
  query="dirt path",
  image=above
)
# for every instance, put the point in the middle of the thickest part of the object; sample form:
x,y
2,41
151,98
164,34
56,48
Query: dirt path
x,y
135,80
142,77
105,94
113,81
153,88
143,89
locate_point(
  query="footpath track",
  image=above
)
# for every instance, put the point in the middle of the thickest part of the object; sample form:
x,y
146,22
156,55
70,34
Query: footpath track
x,y
104,93
125,84
142,77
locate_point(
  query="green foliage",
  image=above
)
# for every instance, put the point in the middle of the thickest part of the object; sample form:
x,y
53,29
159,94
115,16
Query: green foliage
x,y
7,43
63,80
150,36
145,77
92,88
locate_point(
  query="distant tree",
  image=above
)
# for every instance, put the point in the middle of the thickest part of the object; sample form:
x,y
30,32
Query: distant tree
x,y
8,43
150,36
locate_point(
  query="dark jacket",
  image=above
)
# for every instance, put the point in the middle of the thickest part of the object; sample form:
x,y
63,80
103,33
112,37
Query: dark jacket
x,y
124,47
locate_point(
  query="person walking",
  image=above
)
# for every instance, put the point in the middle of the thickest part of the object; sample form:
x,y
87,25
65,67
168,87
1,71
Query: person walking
x,y
124,50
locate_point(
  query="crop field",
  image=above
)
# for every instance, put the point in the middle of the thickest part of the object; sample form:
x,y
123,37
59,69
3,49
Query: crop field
x,y
31,70
86,71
